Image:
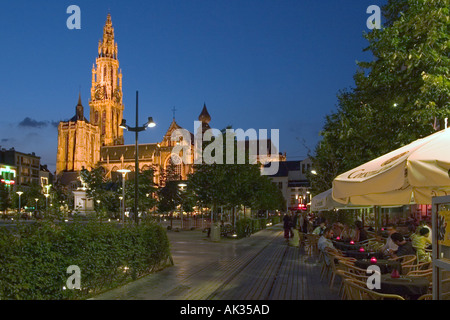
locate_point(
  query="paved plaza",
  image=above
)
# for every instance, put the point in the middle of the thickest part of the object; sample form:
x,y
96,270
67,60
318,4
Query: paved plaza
x,y
260,267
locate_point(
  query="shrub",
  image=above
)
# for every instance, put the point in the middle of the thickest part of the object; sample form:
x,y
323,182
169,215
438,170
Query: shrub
x,y
275,219
254,225
241,227
35,257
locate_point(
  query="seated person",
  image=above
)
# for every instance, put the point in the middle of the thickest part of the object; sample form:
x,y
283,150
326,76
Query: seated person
x,y
337,228
320,229
325,242
390,246
423,224
405,248
420,243
361,234
412,231
345,233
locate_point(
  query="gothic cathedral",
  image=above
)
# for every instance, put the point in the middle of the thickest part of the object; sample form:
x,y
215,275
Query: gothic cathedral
x,y
99,142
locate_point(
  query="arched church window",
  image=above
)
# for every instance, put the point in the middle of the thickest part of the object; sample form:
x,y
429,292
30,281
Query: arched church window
x,y
104,122
112,78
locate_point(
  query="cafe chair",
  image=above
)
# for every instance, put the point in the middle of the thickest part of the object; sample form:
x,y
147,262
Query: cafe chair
x,y
357,290
405,261
334,268
330,255
350,267
348,275
371,234
325,268
302,238
443,284
366,241
428,274
311,244
347,259
429,296
419,266
374,245
420,273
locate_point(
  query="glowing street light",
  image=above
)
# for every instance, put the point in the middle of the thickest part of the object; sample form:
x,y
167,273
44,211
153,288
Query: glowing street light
x,y
46,201
182,186
150,124
19,193
124,173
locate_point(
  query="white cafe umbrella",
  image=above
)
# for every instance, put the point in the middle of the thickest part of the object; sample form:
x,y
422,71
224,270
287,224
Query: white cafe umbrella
x,y
325,202
411,174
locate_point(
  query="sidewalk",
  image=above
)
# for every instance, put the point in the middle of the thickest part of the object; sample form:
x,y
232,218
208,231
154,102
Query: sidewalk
x,y
261,267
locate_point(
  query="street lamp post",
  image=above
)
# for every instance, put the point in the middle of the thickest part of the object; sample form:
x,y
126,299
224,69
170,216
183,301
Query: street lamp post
x,y
124,173
150,123
36,203
122,213
314,172
46,201
19,193
181,186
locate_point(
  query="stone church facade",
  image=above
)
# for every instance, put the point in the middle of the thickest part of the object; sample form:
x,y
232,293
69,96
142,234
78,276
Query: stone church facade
x,y
99,141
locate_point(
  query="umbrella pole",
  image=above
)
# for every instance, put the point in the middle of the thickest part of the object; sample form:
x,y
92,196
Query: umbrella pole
x,y
376,210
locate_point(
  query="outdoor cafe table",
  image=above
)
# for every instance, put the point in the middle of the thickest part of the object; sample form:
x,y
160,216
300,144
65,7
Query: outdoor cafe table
x,y
345,245
407,287
386,266
363,255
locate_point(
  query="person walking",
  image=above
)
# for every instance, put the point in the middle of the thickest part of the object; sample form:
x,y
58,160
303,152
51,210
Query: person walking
x,y
301,222
287,226
294,223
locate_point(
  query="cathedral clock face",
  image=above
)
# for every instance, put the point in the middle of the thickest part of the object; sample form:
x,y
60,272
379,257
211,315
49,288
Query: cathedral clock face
x,y
99,93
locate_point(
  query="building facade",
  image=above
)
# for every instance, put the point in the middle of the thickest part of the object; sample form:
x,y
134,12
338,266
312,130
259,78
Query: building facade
x,y
27,166
99,142
293,182
78,143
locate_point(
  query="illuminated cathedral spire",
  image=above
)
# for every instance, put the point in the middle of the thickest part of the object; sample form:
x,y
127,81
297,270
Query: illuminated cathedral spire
x,y
106,106
107,47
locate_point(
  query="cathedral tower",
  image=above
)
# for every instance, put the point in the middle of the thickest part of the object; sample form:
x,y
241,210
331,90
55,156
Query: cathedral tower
x,y
78,143
106,105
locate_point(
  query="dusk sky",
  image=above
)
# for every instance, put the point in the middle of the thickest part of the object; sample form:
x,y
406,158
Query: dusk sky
x,y
258,64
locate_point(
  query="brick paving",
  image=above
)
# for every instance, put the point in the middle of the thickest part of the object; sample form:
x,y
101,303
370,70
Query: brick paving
x,y
260,267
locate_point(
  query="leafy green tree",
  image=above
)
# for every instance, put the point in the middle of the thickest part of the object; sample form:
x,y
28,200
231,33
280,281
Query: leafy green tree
x,y
59,195
233,185
5,200
104,193
169,197
401,95
31,193
267,195
146,189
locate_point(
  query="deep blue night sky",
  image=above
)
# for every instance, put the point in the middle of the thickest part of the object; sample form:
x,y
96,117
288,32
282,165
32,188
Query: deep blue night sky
x,y
255,63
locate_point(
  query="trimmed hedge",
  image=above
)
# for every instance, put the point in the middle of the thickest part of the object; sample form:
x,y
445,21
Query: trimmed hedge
x,y
35,257
254,225
275,219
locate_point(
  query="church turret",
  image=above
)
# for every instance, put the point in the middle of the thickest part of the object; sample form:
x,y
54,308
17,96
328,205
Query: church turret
x,y
79,109
204,118
106,104
204,115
